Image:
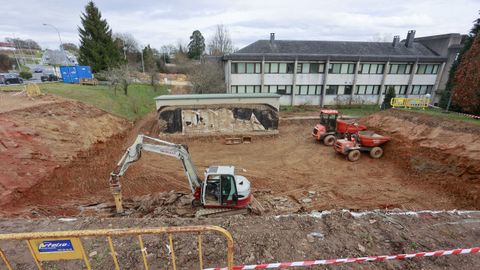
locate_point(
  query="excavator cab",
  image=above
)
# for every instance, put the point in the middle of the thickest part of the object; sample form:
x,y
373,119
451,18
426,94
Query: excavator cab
x,y
220,190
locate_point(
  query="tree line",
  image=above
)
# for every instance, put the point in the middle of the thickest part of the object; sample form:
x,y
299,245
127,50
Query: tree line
x,y
101,49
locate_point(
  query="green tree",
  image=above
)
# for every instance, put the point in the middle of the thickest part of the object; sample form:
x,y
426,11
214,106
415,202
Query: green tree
x,y
149,59
97,48
6,63
445,97
388,97
196,47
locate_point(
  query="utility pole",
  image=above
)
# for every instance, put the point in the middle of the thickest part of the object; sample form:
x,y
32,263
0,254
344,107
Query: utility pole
x,y
61,43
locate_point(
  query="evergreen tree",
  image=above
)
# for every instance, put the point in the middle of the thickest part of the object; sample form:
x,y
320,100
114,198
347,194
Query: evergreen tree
x,y
388,97
196,47
149,59
97,48
445,97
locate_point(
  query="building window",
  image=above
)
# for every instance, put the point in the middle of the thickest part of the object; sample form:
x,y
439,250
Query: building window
x,y
245,89
367,89
399,89
308,89
341,68
331,90
427,69
279,67
300,67
290,67
421,89
400,69
347,89
370,68
278,89
249,68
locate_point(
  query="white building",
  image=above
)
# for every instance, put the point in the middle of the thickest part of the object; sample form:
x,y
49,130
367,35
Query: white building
x,y
341,72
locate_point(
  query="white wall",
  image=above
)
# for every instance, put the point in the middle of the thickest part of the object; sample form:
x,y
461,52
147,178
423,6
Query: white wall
x,y
246,79
278,79
340,79
369,79
309,79
307,99
397,79
424,79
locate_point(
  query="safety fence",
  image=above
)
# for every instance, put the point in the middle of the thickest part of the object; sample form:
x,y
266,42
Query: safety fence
x,y
398,102
355,260
67,245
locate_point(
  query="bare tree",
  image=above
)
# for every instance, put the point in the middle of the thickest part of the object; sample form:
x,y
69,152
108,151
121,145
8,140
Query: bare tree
x,y
119,78
127,41
207,77
220,43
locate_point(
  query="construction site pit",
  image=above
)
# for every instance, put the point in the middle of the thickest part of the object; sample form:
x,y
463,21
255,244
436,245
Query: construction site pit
x,y
57,155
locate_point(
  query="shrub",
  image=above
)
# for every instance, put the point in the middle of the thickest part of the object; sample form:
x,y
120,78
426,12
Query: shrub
x,y
25,75
388,96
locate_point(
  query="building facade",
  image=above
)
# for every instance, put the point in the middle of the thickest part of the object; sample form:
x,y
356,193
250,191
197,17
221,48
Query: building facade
x,y
337,72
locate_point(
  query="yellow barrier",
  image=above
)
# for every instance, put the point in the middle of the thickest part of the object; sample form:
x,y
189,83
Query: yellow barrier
x,y
410,102
67,245
32,90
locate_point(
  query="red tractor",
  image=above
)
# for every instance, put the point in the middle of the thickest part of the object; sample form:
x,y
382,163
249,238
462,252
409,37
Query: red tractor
x,y
330,127
361,141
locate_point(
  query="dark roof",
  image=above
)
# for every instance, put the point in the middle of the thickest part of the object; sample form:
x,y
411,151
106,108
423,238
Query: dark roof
x,y
335,50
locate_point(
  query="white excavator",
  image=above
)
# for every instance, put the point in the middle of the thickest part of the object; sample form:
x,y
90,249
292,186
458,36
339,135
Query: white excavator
x,y
222,191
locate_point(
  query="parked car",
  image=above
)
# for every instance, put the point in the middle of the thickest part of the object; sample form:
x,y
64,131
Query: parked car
x,y
10,78
38,70
49,78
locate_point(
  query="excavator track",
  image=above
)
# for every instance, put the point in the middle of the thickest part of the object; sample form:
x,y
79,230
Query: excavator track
x,y
221,212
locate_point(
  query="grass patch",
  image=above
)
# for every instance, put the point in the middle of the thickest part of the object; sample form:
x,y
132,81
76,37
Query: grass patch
x,y
140,99
440,113
358,111
350,110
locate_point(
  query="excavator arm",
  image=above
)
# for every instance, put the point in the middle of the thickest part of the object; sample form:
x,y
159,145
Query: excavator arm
x,y
157,146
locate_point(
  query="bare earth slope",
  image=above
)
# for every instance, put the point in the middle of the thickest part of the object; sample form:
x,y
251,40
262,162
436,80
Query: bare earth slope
x,y
38,136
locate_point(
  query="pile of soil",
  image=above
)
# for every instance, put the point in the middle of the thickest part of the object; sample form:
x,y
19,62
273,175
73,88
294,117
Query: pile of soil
x,y
41,135
440,151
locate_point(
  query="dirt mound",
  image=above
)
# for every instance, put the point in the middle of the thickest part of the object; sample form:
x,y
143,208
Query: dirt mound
x,y
43,135
447,152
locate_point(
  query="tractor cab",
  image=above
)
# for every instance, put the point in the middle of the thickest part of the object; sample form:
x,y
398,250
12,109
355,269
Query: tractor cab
x,y
222,188
325,130
328,118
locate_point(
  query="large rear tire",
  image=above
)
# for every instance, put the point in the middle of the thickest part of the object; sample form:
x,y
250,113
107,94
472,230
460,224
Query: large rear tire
x,y
376,152
329,140
354,155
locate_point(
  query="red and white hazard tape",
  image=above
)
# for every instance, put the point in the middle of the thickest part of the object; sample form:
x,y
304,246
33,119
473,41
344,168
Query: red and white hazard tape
x,y
353,260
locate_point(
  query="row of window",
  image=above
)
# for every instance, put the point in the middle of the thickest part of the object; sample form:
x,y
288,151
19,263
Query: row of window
x,y
331,89
334,68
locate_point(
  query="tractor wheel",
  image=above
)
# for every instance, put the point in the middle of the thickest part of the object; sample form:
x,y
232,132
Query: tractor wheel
x,y
196,203
376,152
329,140
354,155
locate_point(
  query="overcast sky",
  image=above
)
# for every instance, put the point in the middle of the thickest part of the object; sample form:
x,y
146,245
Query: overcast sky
x,y
159,22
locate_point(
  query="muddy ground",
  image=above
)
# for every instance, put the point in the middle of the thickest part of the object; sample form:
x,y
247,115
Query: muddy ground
x,y
290,167
56,156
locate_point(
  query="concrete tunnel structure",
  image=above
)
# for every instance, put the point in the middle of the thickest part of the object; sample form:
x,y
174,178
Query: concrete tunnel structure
x,y
211,114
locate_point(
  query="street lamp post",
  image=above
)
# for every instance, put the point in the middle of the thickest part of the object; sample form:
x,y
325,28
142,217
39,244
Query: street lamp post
x,y
61,43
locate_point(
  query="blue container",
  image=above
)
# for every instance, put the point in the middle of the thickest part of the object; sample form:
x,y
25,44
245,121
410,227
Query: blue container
x,y
73,74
